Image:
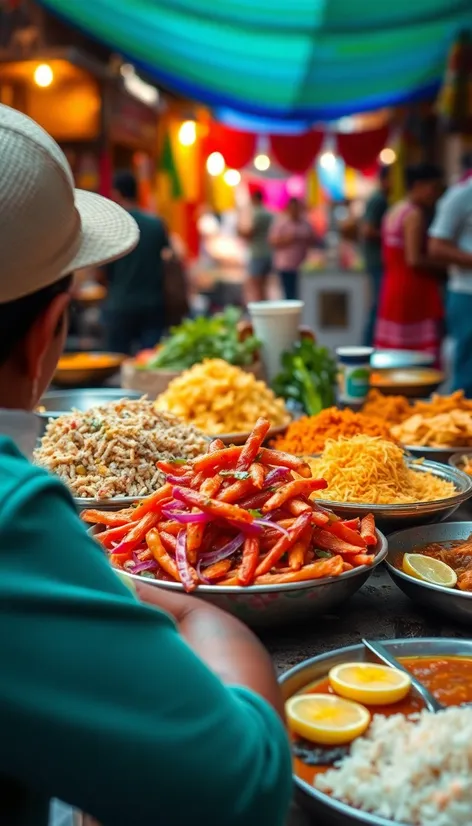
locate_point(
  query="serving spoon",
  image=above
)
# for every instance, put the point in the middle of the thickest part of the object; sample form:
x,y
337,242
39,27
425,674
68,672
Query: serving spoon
x,y
383,655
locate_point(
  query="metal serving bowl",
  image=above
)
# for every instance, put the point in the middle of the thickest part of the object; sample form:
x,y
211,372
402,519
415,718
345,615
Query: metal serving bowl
x,y
69,375
394,517
433,454
456,605
271,605
327,810
57,402
457,459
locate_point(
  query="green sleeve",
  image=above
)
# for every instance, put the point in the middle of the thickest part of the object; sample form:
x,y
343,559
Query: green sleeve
x,y
102,703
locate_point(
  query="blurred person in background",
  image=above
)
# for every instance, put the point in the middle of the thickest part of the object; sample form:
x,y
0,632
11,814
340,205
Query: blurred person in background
x,y
134,308
291,236
411,307
256,234
371,234
450,244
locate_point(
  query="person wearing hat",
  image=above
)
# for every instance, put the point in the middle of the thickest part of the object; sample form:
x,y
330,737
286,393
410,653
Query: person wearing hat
x,y
137,709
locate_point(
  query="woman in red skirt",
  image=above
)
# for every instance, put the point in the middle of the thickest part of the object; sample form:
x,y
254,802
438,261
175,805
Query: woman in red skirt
x,y
411,308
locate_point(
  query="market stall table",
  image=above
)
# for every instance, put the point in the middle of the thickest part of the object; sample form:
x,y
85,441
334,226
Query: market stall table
x,y
378,611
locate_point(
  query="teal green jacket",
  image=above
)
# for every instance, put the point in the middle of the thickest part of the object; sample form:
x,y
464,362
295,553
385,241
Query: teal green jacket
x,y
102,703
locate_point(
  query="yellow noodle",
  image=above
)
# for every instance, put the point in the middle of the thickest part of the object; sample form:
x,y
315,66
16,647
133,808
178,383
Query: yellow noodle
x,y
373,471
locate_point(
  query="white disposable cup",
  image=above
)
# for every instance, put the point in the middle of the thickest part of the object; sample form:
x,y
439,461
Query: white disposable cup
x,y
276,324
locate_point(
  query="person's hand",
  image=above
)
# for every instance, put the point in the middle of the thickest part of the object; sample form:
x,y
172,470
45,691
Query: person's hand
x,y
226,646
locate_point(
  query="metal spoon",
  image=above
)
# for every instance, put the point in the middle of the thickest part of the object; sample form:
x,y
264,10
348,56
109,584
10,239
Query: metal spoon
x,y
384,656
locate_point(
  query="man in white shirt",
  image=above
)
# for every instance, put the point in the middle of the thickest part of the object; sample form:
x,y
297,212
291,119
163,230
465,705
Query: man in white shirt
x,y
450,243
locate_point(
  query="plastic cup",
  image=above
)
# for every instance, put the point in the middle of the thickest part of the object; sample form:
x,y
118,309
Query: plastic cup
x,y
276,324
354,373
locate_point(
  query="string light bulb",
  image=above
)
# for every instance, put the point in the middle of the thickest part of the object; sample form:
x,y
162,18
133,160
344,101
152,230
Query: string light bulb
x,y
232,177
262,162
188,133
215,164
387,156
43,75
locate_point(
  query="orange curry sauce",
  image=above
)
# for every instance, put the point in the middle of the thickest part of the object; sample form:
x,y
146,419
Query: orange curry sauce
x,y
448,678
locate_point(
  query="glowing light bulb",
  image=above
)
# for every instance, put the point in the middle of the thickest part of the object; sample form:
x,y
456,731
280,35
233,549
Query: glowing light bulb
x,y
232,177
328,160
387,156
262,162
188,133
43,75
215,164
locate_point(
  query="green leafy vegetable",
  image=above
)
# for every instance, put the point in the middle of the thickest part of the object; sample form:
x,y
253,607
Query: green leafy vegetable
x,y
323,554
255,513
308,377
205,338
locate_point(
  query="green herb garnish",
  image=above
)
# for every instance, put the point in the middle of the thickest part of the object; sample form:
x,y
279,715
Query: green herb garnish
x,y
323,554
235,474
255,513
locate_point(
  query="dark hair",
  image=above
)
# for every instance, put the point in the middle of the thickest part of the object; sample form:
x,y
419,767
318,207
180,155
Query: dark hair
x,y
17,317
384,173
126,184
421,173
466,162
294,201
257,195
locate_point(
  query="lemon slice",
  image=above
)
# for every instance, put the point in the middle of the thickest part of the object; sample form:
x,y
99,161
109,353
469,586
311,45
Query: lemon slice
x,y
429,570
369,683
324,719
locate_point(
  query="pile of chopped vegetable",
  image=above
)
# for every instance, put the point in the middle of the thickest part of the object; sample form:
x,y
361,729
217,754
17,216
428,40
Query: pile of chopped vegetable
x,y
205,338
235,516
308,377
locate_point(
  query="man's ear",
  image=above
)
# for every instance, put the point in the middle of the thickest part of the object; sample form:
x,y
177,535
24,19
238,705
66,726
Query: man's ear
x,y
42,334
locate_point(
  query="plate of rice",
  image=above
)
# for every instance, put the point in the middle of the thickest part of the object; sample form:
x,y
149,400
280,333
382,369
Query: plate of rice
x,y
108,454
368,474
410,767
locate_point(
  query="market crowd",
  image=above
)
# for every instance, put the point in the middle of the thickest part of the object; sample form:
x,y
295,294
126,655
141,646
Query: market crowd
x,y
418,254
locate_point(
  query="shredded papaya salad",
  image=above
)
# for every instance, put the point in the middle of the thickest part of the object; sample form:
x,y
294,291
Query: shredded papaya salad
x,y
235,516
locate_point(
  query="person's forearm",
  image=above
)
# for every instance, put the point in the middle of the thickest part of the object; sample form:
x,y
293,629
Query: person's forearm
x,y
448,253
227,646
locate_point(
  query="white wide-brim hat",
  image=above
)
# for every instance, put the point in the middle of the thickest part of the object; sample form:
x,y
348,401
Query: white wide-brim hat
x,y
48,228
107,231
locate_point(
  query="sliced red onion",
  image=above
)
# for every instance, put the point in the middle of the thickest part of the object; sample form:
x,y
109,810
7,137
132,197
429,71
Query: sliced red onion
x,y
201,577
147,565
277,474
183,517
227,550
182,562
183,481
266,523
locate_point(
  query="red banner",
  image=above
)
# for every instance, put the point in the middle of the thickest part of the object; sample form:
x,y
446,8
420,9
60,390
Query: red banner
x,y
296,153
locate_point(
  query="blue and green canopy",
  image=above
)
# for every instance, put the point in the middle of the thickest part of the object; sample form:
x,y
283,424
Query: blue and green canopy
x,y
273,60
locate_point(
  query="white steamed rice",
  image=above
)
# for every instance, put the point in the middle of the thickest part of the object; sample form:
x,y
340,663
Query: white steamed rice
x,y
415,770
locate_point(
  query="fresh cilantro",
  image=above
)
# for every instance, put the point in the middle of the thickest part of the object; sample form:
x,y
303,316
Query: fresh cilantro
x,y
255,513
323,554
235,474
178,461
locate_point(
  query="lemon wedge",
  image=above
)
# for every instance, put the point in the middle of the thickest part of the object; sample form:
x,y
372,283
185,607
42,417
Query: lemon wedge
x,y
369,683
429,570
324,719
